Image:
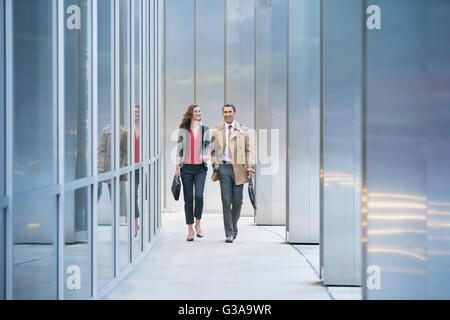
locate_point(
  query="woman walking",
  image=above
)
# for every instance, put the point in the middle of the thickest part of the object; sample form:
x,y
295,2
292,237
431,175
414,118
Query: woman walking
x,y
193,153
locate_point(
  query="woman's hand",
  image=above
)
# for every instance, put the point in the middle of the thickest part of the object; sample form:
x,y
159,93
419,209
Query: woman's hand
x,y
178,172
205,159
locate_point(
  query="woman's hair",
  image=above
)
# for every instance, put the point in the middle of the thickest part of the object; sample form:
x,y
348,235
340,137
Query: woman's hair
x,y
186,122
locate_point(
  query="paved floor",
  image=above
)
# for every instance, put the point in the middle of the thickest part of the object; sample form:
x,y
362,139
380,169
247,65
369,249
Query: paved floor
x,y
258,265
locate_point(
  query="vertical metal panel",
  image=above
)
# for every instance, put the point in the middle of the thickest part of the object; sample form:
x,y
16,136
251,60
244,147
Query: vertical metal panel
x,y
407,151
240,66
341,145
438,149
2,101
304,121
240,59
179,79
270,110
9,147
210,17
395,167
2,154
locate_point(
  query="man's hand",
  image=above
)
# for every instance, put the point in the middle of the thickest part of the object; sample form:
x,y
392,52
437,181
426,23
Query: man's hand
x,y
251,175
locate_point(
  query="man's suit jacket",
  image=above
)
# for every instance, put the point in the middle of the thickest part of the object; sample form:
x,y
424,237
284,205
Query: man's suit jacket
x,y
241,144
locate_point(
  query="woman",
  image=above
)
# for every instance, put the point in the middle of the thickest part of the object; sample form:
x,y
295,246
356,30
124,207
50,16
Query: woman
x,y
193,153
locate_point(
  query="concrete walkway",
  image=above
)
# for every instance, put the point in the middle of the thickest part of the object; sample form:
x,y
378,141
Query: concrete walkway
x,y
258,265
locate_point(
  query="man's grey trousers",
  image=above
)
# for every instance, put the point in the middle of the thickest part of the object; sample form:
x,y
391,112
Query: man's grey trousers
x,y
232,196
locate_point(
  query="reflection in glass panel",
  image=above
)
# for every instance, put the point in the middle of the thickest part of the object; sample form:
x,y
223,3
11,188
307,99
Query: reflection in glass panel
x,y
77,262
33,97
137,242
76,94
137,103
145,205
105,85
153,201
105,233
124,77
124,221
34,248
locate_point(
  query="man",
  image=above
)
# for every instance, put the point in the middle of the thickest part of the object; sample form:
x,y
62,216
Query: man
x,y
233,162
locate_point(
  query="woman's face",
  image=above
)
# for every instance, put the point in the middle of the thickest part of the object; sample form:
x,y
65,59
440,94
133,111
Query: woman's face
x,y
136,114
197,114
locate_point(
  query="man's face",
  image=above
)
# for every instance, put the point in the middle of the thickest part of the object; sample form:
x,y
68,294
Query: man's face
x,y
228,114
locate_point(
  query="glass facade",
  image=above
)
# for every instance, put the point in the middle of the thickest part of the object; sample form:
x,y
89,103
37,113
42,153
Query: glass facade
x,y
80,184
348,101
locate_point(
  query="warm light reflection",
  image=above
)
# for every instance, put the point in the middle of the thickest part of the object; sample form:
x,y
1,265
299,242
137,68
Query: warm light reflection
x,y
399,196
392,205
394,231
33,225
399,217
400,252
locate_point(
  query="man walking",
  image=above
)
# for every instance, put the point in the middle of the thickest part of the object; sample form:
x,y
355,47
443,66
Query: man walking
x,y
233,162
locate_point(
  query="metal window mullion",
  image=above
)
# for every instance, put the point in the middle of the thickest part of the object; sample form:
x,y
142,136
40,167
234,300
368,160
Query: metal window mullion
x,y
141,115
116,127
288,105
9,263
94,80
132,61
59,50
164,79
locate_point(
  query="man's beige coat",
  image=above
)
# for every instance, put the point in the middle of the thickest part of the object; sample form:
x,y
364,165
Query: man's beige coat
x,y
241,144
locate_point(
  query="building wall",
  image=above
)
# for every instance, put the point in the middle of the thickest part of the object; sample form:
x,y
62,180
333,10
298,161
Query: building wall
x,y
406,225
80,75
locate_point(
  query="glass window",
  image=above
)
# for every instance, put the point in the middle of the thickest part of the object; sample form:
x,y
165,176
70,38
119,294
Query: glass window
x,y
137,242
105,233
145,205
33,96
105,150
137,101
124,79
77,58
124,221
77,262
34,251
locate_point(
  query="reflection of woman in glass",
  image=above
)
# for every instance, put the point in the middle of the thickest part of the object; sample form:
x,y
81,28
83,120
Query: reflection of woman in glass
x,y
193,152
137,123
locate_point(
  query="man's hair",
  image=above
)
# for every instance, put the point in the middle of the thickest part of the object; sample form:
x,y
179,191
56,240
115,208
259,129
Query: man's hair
x,y
229,106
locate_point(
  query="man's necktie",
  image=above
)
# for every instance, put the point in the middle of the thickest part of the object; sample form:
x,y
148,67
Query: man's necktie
x,y
230,156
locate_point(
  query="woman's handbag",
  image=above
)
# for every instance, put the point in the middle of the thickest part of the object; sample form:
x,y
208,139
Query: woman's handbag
x,y
176,187
251,194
